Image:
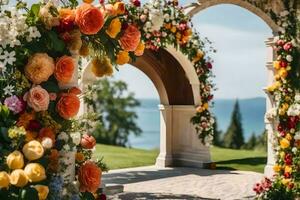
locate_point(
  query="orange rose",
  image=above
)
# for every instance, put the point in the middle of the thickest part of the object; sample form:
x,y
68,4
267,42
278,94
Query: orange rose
x,y
68,106
122,58
46,133
88,141
89,19
75,90
140,49
66,14
131,38
64,69
89,176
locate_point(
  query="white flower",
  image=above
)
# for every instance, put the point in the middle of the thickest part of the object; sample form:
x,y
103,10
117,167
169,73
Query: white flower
x,y
297,136
47,143
164,34
289,58
63,136
297,97
66,147
9,90
2,68
157,19
294,150
148,24
76,137
284,13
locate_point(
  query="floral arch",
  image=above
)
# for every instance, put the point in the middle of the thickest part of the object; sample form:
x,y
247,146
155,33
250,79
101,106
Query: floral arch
x,y
46,152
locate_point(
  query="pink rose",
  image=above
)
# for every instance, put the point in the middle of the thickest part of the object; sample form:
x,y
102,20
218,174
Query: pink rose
x,y
287,46
37,98
88,141
280,42
131,38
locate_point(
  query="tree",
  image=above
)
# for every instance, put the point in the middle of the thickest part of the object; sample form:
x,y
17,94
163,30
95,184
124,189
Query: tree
x,y
217,133
252,142
234,137
116,106
262,141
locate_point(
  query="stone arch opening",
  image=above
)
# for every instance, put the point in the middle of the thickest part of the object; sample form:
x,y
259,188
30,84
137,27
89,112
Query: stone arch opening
x,y
269,42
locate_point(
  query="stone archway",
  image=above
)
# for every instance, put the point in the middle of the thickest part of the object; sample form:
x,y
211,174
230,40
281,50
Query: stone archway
x,y
177,84
262,11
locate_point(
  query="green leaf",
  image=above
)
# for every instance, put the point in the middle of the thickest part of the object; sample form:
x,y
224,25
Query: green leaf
x,y
51,86
88,196
35,9
55,42
29,193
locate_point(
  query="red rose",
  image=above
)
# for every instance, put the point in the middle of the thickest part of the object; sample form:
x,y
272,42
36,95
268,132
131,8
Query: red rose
x,y
88,141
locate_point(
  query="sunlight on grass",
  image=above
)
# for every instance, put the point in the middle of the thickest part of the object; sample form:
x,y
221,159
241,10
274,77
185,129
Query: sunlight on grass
x,y
119,157
246,160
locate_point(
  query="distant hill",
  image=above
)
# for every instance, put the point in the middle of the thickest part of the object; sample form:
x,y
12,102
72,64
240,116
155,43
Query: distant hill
x,y
252,110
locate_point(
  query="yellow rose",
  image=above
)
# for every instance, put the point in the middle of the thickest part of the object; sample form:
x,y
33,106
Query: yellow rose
x,y
282,154
206,106
4,180
33,150
43,191
276,168
173,29
79,157
35,172
284,143
18,178
283,73
198,56
119,7
15,160
285,181
140,49
123,58
276,65
288,137
288,169
102,67
114,28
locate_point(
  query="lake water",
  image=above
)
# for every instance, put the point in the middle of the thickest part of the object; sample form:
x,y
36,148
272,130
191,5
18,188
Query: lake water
x,y
252,111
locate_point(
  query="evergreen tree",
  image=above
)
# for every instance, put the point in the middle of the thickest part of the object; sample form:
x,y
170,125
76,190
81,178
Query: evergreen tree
x,y
234,137
217,133
252,142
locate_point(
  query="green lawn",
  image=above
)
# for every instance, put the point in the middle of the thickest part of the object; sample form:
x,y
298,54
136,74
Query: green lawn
x,y
118,157
239,159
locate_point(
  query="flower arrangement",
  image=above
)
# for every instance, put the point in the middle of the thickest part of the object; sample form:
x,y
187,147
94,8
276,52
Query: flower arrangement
x,y
285,91
45,151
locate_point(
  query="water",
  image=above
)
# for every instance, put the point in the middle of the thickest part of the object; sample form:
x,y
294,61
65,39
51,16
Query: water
x,y
252,111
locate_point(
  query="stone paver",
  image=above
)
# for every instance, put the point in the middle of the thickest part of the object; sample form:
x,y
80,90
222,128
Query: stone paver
x,y
183,183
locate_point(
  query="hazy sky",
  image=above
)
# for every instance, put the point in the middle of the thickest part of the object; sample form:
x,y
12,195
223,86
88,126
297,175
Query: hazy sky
x,y
238,35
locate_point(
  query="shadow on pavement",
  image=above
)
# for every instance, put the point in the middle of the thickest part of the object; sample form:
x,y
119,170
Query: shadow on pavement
x,y
156,196
127,177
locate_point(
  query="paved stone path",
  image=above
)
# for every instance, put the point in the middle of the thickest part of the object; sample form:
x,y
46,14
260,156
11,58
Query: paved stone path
x,y
182,183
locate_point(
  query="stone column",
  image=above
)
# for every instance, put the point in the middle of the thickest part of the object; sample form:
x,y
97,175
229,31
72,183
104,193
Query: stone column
x,y
164,158
270,124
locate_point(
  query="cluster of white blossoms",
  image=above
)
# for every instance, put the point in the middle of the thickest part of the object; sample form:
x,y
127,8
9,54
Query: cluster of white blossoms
x,y
156,16
13,28
294,109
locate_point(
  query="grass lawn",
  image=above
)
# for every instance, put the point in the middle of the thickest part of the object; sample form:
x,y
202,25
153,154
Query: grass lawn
x,y
119,157
246,160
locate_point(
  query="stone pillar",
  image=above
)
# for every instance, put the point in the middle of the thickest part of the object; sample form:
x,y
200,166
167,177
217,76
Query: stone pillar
x,y
270,124
164,158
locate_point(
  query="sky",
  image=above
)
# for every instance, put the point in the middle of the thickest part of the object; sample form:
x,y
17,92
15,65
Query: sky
x,y
239,64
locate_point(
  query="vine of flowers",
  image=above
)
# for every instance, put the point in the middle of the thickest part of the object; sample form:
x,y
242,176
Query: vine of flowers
x,y
286,113
45,148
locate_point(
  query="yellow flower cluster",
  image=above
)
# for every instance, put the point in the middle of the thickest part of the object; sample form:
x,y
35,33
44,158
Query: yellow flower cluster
x,y
16,132
33,172
202,108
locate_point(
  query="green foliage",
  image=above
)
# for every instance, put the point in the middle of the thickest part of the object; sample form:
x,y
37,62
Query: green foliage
x,y
234,137
111,99
217,134
251,143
